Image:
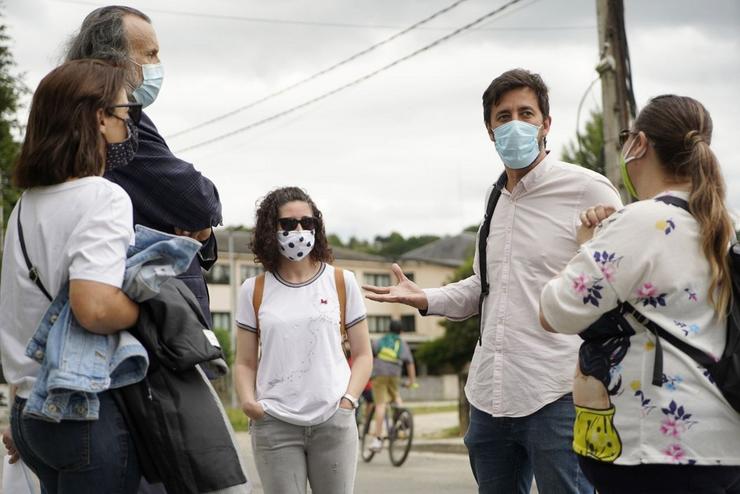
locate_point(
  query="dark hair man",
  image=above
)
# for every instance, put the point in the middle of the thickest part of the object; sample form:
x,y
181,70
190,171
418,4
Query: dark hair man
x,y
520,378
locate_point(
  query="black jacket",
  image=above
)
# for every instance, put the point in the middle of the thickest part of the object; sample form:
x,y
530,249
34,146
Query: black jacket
x,y
169,193
177,423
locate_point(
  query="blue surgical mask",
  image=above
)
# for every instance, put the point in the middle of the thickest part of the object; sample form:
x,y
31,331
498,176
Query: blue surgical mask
x,y
517,144
147,92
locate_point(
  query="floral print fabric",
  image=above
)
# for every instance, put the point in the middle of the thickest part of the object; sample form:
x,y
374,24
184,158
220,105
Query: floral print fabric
x,y
649,254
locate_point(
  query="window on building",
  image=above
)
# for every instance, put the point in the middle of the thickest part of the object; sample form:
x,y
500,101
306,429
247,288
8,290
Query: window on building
x,y
378,279
379,324
408,324
249,271
410,276
221,320
219,274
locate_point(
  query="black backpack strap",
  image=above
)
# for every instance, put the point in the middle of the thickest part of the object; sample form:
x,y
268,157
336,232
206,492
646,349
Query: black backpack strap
x,y
485,229
699,356
33,272
674,201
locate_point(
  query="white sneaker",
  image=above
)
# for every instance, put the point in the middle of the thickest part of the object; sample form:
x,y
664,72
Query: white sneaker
x,y
376,445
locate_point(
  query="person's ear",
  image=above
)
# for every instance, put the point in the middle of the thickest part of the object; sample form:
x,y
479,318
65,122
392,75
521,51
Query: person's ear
x,y
640,147
490,132
546,125
102,120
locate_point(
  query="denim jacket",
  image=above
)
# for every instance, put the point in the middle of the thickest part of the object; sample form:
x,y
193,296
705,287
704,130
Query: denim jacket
x,y
77,364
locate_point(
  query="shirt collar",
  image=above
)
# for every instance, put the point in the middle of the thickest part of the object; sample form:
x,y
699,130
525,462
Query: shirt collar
x,y
535,175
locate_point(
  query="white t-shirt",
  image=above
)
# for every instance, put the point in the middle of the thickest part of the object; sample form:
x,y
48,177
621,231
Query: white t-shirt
x,y
302,373
74,230
649,254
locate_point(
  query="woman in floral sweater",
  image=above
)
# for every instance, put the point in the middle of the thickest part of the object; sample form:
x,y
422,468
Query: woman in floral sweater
x,y
638,430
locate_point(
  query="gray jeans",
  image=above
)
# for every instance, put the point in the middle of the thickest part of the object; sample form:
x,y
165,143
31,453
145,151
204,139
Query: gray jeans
x,y
288,455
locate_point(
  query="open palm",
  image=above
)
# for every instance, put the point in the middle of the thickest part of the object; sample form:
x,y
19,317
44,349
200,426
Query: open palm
x,y
404,292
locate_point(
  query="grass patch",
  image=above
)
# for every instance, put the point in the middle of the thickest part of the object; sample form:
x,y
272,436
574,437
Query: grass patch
x,y
444,433
426,409
238,420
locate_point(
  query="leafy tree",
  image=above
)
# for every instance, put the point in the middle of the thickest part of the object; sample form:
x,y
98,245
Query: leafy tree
x,y
590,154
11,90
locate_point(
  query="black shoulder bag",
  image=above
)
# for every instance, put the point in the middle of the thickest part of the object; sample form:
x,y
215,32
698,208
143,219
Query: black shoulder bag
x,y
485,229
33,272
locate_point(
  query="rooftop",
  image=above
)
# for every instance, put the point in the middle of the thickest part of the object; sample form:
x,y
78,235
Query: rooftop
x,y
450,251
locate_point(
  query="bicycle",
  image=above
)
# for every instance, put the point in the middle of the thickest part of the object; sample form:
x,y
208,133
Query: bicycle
x,y
399,422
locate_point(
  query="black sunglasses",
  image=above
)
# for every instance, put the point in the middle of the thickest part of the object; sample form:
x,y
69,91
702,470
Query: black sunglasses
x,y
624,136
289,224
134,111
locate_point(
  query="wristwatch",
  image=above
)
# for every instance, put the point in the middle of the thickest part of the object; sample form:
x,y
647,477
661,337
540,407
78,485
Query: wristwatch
x,y
354,401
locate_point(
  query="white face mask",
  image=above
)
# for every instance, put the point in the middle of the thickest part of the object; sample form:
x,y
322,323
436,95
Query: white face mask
x,y
296,245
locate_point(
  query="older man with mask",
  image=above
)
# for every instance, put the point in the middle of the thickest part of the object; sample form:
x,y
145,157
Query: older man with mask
x,y
520,378
167,193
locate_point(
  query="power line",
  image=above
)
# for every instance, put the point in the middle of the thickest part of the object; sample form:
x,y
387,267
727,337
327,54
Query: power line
x,y
319,73
354,82
349,25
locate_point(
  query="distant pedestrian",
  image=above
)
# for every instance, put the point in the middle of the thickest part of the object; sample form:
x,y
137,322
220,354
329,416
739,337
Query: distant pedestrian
x,y
391,354
291,373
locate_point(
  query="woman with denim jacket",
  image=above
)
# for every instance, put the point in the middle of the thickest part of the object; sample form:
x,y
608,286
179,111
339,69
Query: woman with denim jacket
x,y
300,393
646,425
73,227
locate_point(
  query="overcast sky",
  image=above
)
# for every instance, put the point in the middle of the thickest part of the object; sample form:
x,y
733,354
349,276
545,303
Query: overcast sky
x,y
405,150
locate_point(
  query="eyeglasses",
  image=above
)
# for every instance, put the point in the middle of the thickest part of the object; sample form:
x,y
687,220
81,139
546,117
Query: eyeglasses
x,y
134,111
289,224
624,136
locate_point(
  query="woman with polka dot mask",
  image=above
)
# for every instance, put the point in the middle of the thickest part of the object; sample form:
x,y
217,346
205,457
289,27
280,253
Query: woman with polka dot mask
x,y
300,392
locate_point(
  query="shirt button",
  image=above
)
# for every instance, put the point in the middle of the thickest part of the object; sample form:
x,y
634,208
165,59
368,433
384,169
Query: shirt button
x,y
53,408
53,318
81,409
39,354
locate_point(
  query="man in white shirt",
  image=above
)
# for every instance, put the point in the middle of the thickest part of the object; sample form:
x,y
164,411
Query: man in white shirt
x,y
520,378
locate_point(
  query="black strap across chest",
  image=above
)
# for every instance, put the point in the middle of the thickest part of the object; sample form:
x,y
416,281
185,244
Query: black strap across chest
x,y
33,272
485,229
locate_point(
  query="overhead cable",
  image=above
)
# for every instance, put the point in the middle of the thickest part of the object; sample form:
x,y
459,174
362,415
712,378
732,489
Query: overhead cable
x,y
351,83
319,73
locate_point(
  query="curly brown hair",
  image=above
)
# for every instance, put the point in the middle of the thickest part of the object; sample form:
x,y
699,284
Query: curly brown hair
x,y
264,242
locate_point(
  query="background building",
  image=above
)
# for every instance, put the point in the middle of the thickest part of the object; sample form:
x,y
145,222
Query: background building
x,y
431,265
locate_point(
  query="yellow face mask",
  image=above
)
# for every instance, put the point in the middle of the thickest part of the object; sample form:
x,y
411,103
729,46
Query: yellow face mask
x,y
626,180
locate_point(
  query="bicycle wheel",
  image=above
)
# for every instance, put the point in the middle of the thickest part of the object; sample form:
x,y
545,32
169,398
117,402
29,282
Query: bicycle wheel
x,y
401,437
366,438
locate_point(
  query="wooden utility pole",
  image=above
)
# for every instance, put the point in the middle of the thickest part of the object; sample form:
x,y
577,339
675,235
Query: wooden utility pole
x,y
616,85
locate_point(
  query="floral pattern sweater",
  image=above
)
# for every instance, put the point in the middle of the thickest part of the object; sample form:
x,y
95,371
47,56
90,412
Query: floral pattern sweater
x,y
648,254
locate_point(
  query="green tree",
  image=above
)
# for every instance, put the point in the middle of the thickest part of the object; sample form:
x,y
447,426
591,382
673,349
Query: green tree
x,y
11,90
590,153
454,350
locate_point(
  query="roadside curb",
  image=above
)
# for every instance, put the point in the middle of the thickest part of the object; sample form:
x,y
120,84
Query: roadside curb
x,y
453,446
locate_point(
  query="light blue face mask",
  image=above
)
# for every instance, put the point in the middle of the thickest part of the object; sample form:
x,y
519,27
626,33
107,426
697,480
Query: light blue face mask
x,y
516,143
147,92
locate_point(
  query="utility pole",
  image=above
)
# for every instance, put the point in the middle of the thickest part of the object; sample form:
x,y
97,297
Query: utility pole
x,y
617,96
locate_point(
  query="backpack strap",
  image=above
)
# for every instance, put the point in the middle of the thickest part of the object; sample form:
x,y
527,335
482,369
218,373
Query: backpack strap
x,y
674,201
699,356
485,229
259,291
342,296
33,272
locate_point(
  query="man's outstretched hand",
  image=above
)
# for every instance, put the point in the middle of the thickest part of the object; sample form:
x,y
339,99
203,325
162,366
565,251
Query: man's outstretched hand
x,y
404,292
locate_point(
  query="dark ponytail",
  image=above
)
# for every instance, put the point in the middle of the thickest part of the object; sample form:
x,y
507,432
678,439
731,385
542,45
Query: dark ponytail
x,y
680,129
